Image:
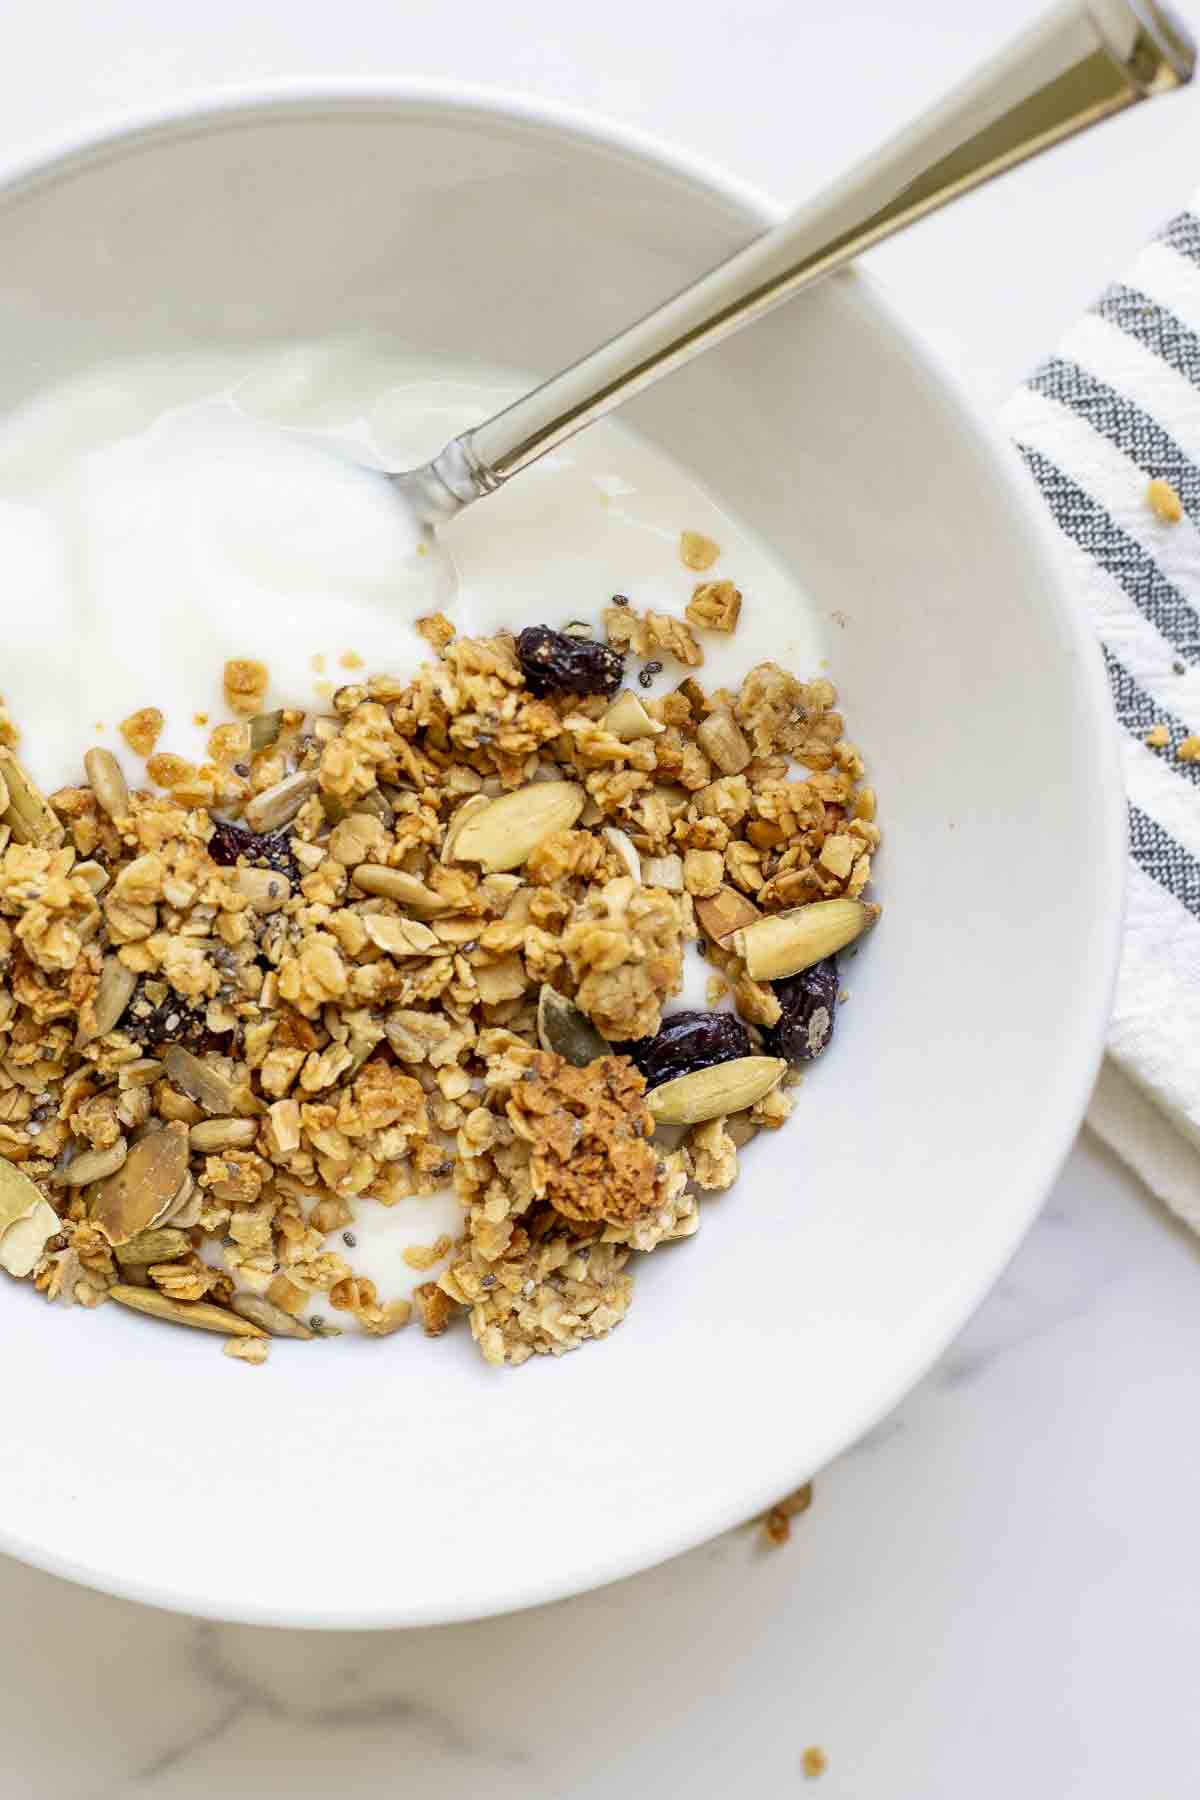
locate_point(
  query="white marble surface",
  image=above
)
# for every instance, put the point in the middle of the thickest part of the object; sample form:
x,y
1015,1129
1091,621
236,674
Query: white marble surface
x,y
993,1593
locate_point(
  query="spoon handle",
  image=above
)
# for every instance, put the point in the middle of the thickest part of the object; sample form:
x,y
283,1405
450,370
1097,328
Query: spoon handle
x,y
1078,64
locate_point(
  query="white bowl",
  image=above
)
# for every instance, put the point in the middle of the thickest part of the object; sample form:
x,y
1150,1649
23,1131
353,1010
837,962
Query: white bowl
x,y
407,1483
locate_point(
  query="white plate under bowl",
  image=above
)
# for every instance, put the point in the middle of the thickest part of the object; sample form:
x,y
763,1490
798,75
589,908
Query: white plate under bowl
x,y
405,1482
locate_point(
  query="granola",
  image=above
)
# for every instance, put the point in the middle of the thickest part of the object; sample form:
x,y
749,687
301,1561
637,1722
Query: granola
x,y
333,968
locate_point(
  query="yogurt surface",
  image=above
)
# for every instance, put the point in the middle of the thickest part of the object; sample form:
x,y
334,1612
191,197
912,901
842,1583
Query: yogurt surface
x,y
158,517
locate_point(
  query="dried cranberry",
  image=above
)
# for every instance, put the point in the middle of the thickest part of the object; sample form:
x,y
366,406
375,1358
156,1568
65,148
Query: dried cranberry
x,y
261,849
687,1041
553,662
809,1001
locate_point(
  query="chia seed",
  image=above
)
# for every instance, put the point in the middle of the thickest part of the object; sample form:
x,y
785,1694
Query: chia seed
x,y
349,1239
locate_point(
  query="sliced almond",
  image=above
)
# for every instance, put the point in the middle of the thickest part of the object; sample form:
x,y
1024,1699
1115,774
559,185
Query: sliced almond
x,y
784,943
200,1081
3,796
467,811
622,843
18,1194
93,1165
28,815
93,874
723,913
697,551
664,872
117,984
399,937
278,805
212,1135
503,833
271,1318
395,884
724,1088
186,1206
108,783
265,889
165,1245
201,1315
628,719
23,1242
566,1031
143,1190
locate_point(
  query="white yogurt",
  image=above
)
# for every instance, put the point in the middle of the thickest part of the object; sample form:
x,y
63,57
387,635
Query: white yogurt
x,y
158,517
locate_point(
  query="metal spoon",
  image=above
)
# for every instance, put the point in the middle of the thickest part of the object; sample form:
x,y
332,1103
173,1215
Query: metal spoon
x,y
1080,63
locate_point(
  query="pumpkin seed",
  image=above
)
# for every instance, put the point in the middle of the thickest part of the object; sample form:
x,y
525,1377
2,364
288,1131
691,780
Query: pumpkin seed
x,y
143,1189
787,942
264,729
278,805
108,783
566,1031
722,1088
201,1315
503,833
273,1320
28,815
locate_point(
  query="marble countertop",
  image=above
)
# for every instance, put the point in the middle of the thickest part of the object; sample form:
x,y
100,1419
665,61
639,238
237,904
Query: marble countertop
x,y
993,1592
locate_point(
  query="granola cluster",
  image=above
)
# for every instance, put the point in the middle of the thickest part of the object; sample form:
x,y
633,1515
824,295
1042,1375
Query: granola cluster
x,y
303,977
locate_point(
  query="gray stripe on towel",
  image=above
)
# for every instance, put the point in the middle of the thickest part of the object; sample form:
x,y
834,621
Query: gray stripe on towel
x,y
1156,329
1094,529
1133,432
1166,862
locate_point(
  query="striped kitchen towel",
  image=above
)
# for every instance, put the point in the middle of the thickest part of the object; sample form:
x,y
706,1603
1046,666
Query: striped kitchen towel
x,y
1116,409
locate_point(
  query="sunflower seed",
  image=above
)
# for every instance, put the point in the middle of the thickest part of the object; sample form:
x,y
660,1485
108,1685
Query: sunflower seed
x,y
27,814
93,874
394,884
722,1088
201,1315
200,1081
567,1032
211,1135
117,984
272,1319
466,811
108,784
502,833
165,1245
279,805
92,1165
266,890
784,943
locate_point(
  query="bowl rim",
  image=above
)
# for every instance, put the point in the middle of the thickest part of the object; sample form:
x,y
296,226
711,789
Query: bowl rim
x,y
44,162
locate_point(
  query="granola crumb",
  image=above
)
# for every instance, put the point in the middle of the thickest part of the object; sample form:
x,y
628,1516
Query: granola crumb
x,y
1164,502
1158,737
143,729
248,1350
777,1522
245,684
317,663
814,1762
437,631
1189,750
350,659
200,718
714,606
697,551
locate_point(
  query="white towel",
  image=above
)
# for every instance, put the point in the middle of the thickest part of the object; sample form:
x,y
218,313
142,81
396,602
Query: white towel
x,y
1118,407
